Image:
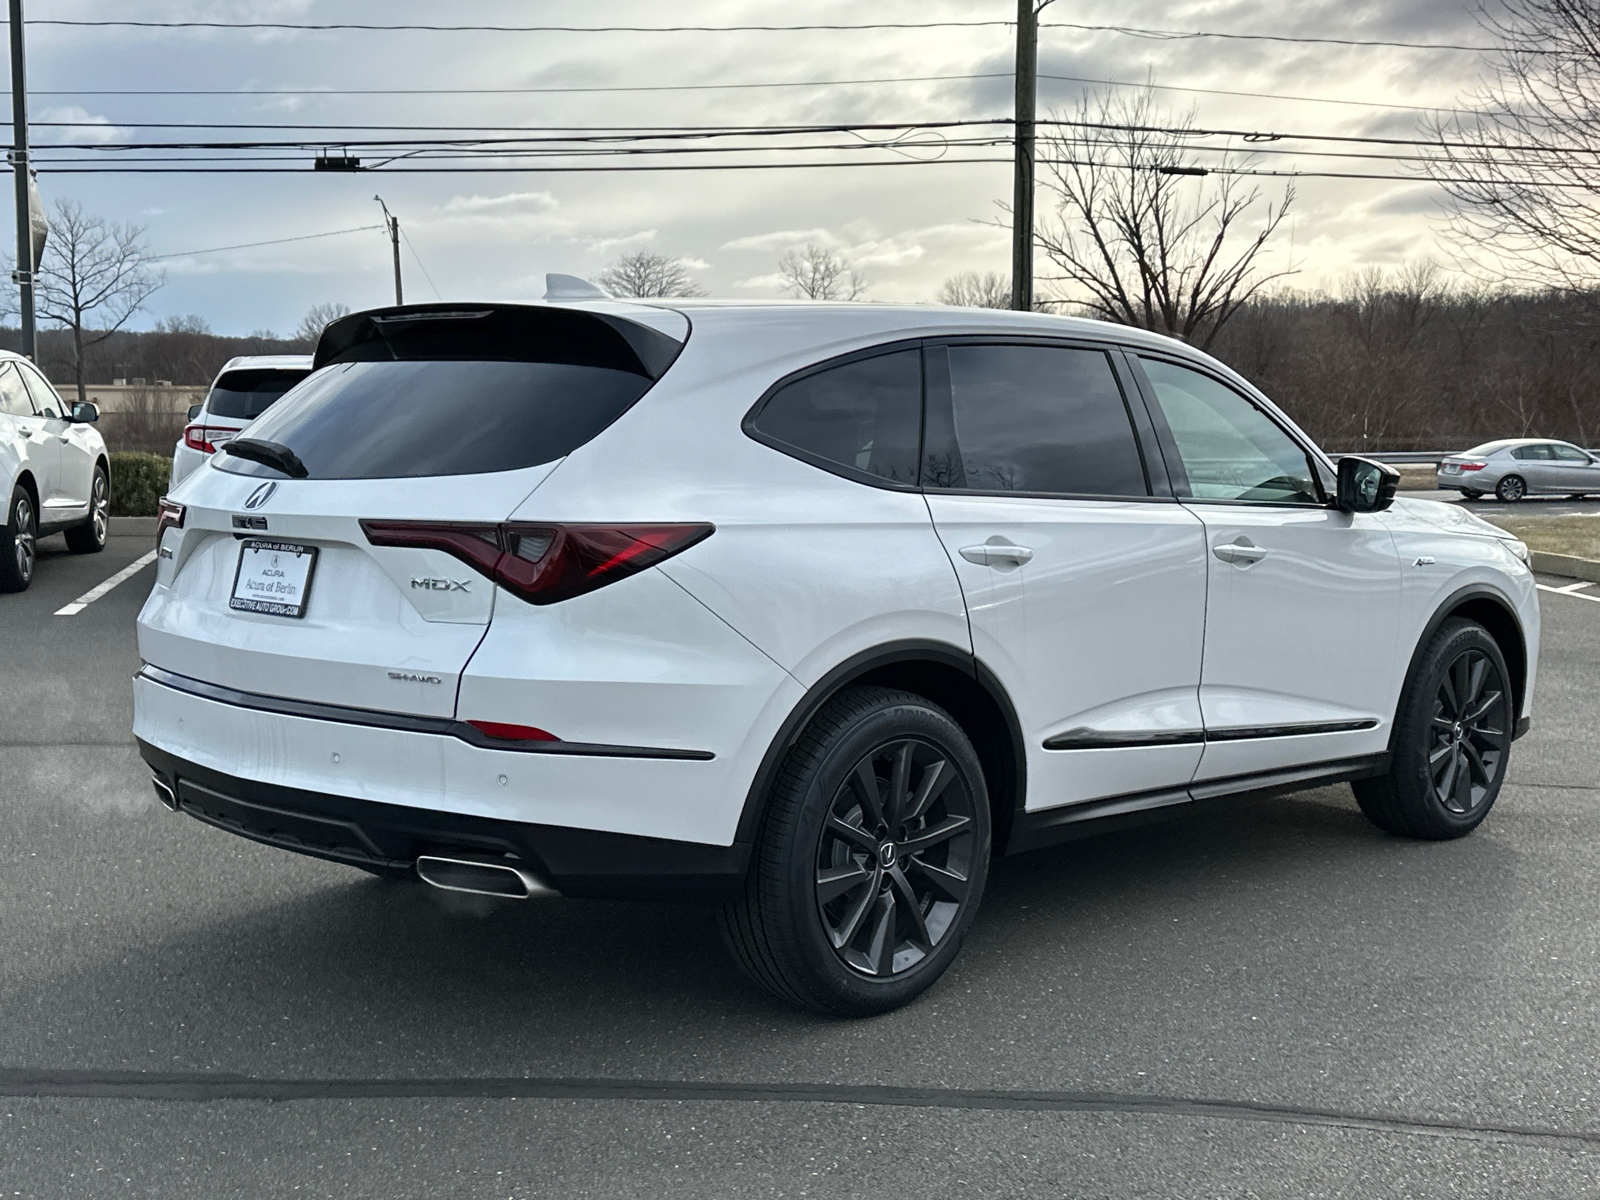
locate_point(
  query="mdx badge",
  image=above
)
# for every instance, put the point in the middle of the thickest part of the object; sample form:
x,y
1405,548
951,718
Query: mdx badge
x,y
441,585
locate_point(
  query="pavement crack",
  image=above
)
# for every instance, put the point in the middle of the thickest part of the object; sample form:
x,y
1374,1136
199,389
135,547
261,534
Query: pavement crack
x,y
19,1083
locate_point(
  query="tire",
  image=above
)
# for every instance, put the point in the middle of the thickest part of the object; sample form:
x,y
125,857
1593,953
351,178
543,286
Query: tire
x,y
90,537
1449,754
1469,494
836,915
1511,489
19,542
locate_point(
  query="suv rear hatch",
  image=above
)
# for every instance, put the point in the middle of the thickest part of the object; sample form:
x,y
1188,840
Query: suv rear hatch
x,y
274,577
237,398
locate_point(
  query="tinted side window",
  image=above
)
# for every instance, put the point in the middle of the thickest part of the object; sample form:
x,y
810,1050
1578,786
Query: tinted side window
x,y
1539,453
13,396
1042,419
1231,450
864,415
44,396
1569,453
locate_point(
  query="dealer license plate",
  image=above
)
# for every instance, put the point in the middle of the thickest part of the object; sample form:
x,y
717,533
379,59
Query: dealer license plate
x,y
273,578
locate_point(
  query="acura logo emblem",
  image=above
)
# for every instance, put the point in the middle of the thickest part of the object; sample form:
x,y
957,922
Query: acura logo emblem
x,y
261,495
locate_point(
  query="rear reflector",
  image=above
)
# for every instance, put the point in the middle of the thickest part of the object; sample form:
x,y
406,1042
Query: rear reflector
x,y
543,564
513,733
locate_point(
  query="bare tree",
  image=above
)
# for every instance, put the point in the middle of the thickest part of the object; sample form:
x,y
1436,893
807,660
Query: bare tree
x,y
818,274
646,275
970,289
318,317
1530,216
93,269
188,323
1135,237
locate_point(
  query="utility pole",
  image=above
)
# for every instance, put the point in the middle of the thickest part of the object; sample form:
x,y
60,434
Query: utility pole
x,y
19,162
393,224
1027,72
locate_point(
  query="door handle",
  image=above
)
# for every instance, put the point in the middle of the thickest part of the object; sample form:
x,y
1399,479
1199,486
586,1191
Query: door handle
x,y
989,554
1241,553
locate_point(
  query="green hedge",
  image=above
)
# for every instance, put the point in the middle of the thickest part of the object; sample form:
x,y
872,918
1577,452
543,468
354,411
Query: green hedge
x,y
138,481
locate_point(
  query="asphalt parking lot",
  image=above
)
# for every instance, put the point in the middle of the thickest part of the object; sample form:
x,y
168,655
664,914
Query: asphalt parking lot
x,y
1267,998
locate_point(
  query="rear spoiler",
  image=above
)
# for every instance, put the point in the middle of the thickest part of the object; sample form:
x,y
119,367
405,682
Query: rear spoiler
x,y
498,333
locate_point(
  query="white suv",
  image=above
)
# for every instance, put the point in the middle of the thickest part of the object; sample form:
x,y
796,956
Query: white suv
x,y
55,474
806,608
245,388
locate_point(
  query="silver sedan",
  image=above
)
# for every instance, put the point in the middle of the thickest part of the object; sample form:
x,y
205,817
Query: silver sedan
x,y
1518,467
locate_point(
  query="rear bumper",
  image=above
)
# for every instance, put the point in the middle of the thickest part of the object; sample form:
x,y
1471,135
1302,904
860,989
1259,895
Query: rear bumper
x,y
369,833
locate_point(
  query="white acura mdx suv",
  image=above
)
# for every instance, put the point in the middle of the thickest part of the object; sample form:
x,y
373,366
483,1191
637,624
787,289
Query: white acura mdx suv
x,y
55,475
808,608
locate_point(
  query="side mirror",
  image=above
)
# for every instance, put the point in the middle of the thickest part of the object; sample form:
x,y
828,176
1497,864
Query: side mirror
x,y
194,410
1365,485
85,413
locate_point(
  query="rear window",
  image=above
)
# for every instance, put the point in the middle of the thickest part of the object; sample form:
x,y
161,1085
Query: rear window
x,y
244,395
384,420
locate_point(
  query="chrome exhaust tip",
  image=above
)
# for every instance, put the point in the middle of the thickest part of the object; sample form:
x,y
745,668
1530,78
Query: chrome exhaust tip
x,y
164,793
481,877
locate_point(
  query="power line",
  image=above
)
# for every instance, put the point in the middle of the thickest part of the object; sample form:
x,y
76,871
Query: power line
x,y
418,259
1125,30
721,87
305,237
335,26
1178,35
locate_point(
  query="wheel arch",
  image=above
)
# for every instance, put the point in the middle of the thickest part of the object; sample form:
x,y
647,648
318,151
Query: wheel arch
x,y
945,674
1498,615
26,480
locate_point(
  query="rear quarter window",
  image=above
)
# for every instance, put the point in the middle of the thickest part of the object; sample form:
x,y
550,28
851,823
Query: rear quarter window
x,y
861,419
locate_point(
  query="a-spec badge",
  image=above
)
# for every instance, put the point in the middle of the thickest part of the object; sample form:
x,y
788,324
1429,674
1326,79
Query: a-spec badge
x,y
261,495
441,585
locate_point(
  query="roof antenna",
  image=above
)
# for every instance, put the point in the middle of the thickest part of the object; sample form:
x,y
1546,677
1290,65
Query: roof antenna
x,y
570,287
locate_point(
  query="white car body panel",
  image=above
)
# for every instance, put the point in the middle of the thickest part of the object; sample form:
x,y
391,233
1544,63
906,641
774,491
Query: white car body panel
x,y
1100,630
1306,634
57,454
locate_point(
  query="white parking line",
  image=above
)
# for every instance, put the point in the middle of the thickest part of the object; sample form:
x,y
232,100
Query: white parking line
x,y
1571,589
94,593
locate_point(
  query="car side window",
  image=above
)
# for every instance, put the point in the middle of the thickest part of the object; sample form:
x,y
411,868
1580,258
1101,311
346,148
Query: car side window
x,y
1230,449
1539,453
1569,453
1032,419
44,396
864,416
13,395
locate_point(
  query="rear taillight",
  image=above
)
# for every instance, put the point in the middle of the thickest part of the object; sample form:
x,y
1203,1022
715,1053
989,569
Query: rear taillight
x,y
203,437
544,563
169,515
1473,466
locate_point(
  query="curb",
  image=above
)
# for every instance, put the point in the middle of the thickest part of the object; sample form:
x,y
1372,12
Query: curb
x,y
132,527
1566,564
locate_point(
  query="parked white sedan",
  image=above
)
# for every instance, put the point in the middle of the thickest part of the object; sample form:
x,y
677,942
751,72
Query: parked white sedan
x,y
244,389
53,468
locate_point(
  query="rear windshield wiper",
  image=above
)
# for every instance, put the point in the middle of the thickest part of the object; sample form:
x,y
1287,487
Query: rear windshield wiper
x,y
269,454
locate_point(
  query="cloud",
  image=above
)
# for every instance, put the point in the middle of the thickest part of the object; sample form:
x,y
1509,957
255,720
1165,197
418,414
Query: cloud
x,y
90,127
514,204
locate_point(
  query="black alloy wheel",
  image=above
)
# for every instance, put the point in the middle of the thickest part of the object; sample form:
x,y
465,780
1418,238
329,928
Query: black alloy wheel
x,y
894,862
20,548
1511,489
1451,741
90,537
1471,728
871,858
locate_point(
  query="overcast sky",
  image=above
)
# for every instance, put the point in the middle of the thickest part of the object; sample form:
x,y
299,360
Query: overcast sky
x,y
495,235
